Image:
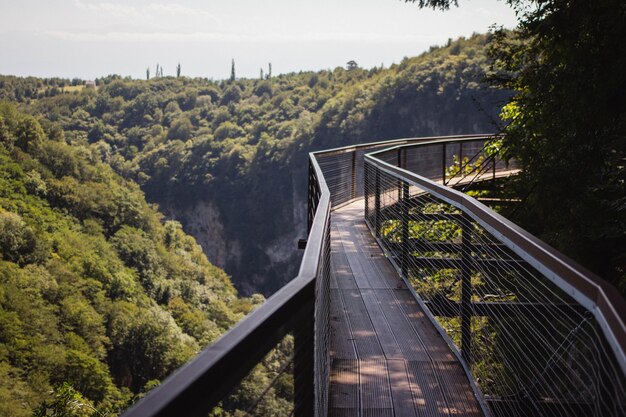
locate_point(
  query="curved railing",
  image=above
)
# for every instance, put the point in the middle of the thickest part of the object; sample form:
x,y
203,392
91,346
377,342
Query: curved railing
x,y
540,334
301,307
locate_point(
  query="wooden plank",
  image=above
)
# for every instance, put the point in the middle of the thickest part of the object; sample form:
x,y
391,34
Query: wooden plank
x,y
381,327
361,275
341,338
377,412
335,239
344,384
408,338
365,338
348,245
456,389
436,347
340,269
429,399
401,393
375,389
343,412
372,273
355,241
387,275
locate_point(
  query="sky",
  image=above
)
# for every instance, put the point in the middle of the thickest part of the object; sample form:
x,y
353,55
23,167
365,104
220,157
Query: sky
x,y
90,38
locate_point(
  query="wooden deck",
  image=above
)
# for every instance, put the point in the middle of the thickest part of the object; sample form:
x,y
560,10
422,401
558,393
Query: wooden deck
x,y
387,357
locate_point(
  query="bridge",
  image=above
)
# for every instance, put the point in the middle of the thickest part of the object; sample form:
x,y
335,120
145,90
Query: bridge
x,y
415,299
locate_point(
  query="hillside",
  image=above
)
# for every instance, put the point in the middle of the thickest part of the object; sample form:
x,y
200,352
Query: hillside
x,y
228,159
97,290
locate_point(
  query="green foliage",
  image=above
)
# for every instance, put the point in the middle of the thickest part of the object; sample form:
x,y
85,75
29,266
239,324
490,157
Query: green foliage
x,y
566,126
67,402
99,298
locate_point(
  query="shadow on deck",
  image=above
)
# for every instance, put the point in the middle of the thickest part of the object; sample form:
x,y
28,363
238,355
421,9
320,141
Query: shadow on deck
x,y
387,357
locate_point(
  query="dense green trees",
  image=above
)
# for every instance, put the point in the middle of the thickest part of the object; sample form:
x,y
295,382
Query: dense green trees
x,y
567,126
99,297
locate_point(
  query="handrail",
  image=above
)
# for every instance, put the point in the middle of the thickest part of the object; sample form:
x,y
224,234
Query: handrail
x,y
536,333
594,293
198,386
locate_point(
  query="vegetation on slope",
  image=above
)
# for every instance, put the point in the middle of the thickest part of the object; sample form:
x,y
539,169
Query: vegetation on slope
x,y
100,298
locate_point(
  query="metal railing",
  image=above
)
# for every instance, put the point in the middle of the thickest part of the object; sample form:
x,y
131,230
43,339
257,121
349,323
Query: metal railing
x,y
541,335
301,307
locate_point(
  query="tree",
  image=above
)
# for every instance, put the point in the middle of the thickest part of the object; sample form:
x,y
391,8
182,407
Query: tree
x,y
438,4
232,70
269,70
156,73
148,73
178,70
566,124
351,65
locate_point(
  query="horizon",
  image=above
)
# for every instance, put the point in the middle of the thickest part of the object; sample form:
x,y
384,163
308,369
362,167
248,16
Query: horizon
x,y
89,39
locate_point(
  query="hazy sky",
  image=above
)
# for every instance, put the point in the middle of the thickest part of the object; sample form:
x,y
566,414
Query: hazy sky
x,y
91,38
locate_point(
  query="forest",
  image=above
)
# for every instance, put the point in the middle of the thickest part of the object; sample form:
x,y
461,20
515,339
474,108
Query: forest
x,y
227,159
141,219
101,297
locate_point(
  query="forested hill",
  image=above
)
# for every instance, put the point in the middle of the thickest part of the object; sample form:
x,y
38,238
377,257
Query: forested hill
x,y
228,159
97,290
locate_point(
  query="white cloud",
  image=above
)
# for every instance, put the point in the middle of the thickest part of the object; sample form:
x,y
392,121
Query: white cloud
x,y
175,9
145,12
115,9
119,36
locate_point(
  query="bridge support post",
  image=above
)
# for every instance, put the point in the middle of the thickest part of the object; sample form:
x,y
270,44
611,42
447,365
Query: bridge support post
x,y
466,288
303,360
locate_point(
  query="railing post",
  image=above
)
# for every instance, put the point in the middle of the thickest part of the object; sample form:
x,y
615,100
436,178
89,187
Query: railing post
x,y
353,193
405,229
377,203
309,212
303,360
365,189
404,158
399,165
443,165
466,288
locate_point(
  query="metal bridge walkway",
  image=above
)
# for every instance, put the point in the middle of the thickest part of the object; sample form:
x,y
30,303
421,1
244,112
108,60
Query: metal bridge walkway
x,y
387,357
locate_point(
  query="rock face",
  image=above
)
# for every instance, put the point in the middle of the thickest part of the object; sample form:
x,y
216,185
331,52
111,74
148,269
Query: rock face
x,y
255,266
203,221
